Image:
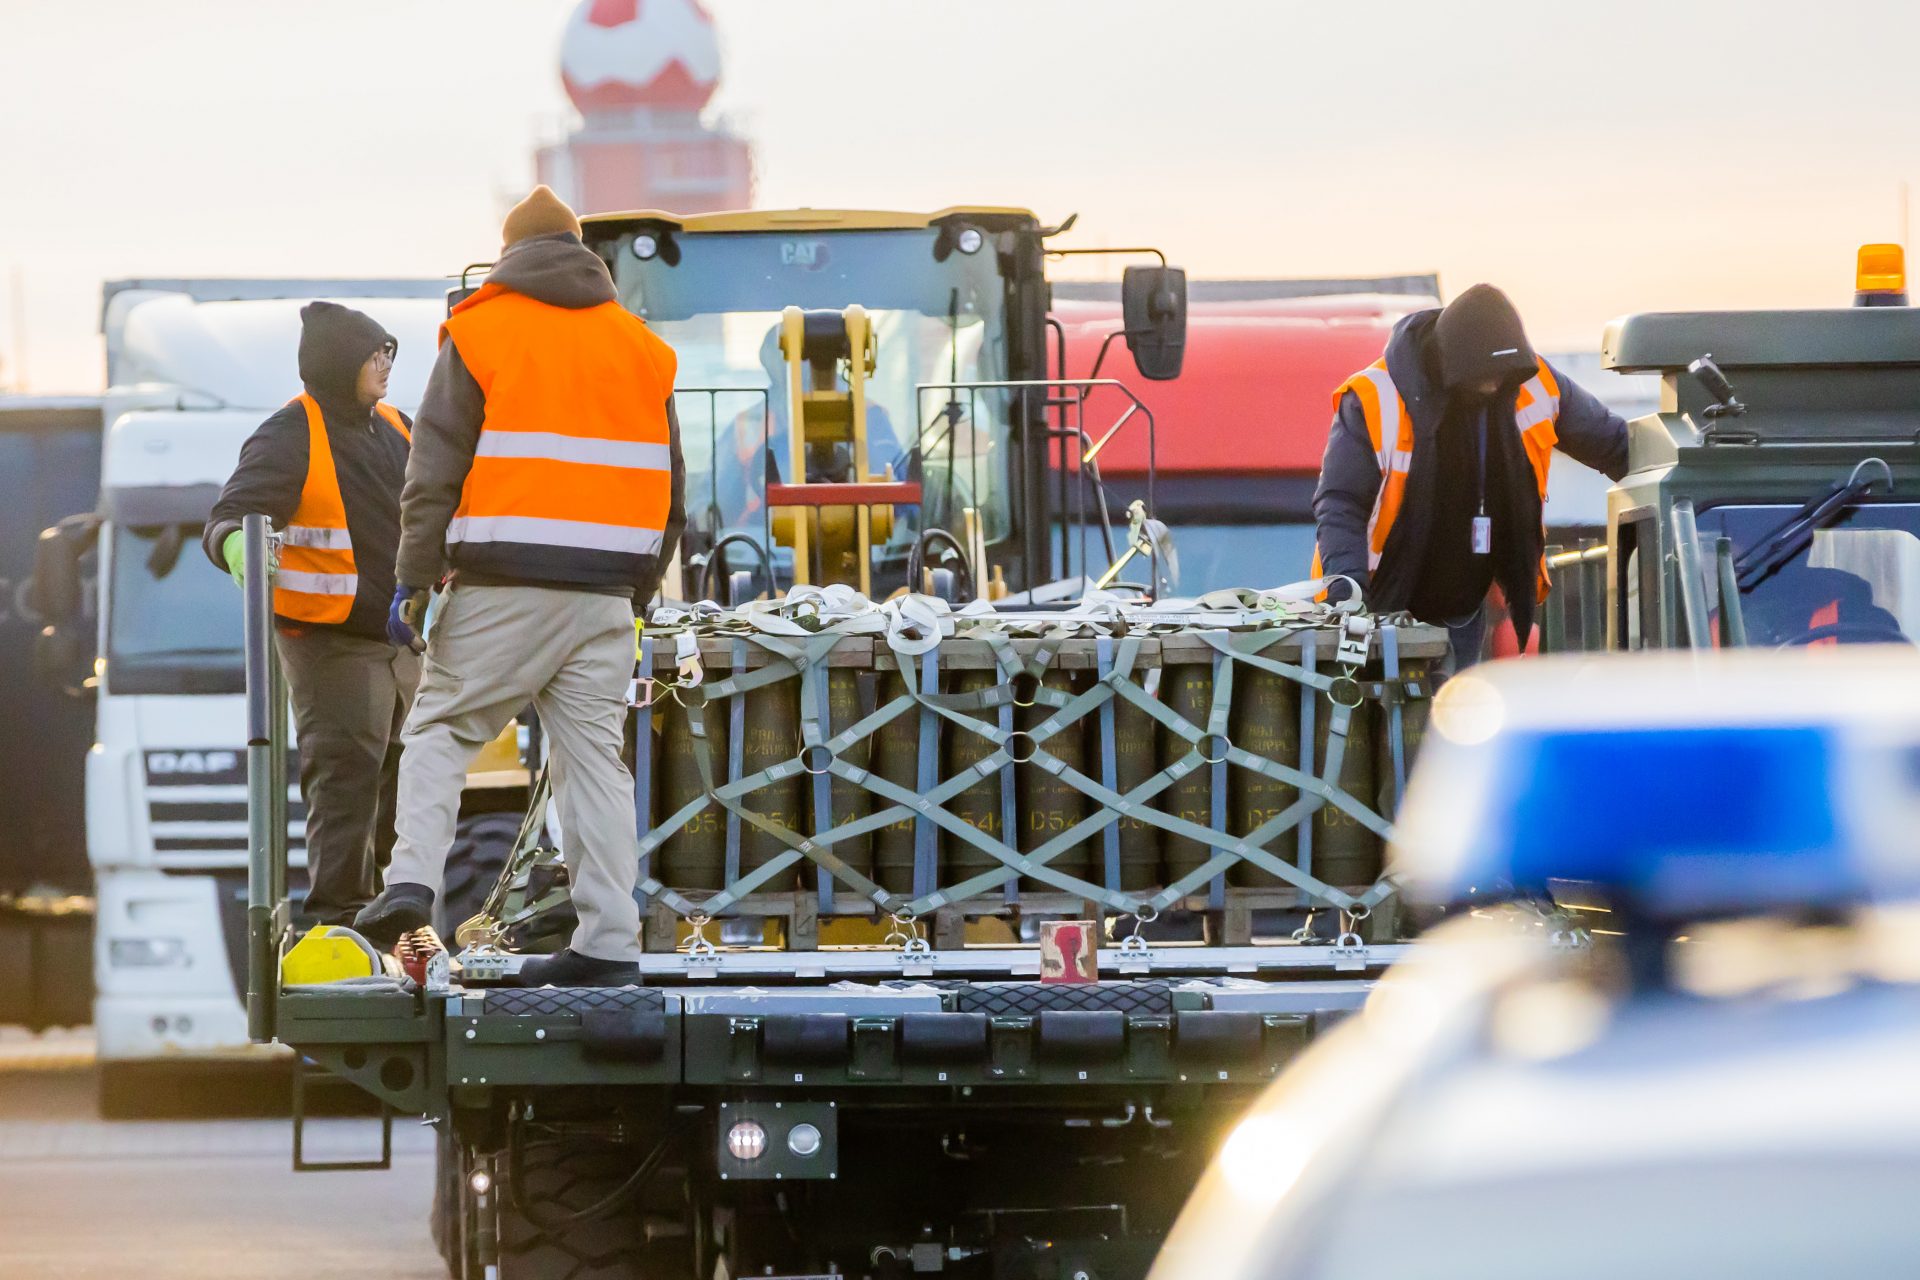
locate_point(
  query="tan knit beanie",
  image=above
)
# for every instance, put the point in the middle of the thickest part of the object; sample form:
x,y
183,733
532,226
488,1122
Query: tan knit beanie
x,y
542,213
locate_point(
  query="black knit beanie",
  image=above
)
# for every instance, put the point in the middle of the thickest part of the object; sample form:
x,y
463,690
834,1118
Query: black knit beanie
x,y
335,342
1480,338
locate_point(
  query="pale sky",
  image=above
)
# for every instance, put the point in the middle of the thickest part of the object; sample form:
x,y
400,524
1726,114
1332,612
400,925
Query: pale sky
x,y
1592,159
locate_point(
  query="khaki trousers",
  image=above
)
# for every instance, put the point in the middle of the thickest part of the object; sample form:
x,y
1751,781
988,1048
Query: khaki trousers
x,y
490,652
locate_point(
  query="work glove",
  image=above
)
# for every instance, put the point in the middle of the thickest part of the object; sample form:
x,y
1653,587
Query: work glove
x,y
233,549
404,617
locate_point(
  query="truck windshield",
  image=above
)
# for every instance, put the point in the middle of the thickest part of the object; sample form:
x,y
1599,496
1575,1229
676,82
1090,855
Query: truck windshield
x,y
173,620
936,322
1855,582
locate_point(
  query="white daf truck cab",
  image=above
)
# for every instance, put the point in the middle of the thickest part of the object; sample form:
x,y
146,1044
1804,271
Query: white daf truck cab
x,y
193,368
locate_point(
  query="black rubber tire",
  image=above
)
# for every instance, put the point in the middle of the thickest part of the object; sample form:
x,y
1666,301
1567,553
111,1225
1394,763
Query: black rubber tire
x,y
537,1242
482,843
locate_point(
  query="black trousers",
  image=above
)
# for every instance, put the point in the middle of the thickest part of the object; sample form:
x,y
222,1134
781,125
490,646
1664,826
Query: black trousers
x,y
350,696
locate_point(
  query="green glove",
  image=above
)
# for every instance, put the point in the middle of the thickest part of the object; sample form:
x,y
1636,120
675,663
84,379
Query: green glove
x,y
234,551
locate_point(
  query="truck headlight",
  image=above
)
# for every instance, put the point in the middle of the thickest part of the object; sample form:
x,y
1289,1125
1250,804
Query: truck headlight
x,y
146,953
804,1140
747,1140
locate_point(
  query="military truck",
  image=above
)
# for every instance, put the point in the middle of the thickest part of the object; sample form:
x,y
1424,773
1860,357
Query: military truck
x,y
979,896
1772,500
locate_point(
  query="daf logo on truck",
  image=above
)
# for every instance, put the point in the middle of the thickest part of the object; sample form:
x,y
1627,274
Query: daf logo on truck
x,y
194,762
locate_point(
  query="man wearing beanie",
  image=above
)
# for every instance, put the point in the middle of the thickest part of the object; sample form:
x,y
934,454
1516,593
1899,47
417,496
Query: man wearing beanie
x,y
327,470
1435,473
546,475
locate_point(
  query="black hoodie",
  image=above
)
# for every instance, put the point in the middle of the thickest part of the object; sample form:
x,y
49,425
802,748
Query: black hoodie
x,y
561,272
1350,481
369,457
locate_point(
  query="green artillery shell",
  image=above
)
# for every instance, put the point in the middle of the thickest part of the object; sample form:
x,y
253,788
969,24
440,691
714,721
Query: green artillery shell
x,y
978,805
849,798
1413,727
1345,853
1265,721
1187,688
1134,734
772,727
694,857
1047,803
896,757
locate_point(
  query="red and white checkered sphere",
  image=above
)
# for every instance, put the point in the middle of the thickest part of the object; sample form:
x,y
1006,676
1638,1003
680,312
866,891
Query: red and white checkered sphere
x,y
619,54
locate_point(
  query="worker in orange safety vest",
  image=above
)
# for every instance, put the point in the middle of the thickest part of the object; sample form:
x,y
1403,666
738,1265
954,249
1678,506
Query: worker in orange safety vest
x,y
547,488
327,470
1435,474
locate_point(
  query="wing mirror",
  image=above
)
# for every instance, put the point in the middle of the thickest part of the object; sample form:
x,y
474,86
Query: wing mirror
x,y
1153,306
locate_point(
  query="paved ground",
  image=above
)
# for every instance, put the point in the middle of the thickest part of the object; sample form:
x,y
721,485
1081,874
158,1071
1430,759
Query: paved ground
x,y
205,1198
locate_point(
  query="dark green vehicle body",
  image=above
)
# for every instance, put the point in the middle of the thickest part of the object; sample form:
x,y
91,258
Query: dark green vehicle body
x,y
1828,397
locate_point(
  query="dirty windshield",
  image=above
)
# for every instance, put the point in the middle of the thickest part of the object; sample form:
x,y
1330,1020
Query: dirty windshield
x,y
1854,582
935,321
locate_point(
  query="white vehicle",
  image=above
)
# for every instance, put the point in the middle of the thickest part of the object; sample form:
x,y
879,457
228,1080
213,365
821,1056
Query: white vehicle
x,y
1721,1084
194,367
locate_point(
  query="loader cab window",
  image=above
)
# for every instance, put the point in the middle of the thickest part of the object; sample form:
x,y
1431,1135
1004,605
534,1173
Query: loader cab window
x,y
1855,581
936,321
173,620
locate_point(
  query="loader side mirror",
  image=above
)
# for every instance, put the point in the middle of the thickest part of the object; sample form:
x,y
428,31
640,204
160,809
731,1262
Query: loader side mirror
x,y
1153,306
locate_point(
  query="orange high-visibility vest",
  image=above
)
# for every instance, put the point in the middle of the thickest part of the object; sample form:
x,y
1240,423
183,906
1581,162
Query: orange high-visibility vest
x,y
572,475
316,579
1536,411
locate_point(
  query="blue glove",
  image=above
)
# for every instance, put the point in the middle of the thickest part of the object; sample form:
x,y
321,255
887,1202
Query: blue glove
x,y
404,617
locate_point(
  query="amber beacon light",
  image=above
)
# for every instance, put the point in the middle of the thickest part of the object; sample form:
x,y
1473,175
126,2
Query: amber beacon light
x,y
1880,277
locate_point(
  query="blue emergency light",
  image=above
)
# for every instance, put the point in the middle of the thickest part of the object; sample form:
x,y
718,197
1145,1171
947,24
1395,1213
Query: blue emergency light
x,y
1669,822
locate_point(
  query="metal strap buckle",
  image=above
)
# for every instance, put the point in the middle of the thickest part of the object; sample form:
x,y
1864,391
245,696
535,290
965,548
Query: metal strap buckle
x,y
1356,640
686,652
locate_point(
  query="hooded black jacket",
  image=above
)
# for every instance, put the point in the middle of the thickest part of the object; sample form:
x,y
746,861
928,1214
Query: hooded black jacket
x,y
369,457
1350,479
561,272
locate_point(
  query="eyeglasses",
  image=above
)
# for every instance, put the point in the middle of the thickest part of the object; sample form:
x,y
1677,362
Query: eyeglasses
x,y
384,357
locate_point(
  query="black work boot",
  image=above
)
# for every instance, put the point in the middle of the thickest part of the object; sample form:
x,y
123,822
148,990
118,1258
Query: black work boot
x,y
568,968
400,908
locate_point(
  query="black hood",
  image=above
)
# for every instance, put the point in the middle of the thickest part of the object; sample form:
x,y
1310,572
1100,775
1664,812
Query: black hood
x,y
1478,337
557,270
335,342
1414,363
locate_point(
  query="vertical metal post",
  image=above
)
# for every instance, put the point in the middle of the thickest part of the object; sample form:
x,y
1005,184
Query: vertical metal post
x,y
1733,616
1309,699
1688,567
1553,619
266,785
642,757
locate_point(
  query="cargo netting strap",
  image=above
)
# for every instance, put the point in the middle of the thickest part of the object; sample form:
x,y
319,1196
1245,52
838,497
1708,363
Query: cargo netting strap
x,y
795,639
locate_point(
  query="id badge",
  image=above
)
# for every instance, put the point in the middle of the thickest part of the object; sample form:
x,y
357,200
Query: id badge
x,y
1482,535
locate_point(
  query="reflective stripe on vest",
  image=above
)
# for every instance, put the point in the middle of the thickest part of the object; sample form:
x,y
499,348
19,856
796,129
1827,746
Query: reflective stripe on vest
x,y
315,580
1536,411
574,460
